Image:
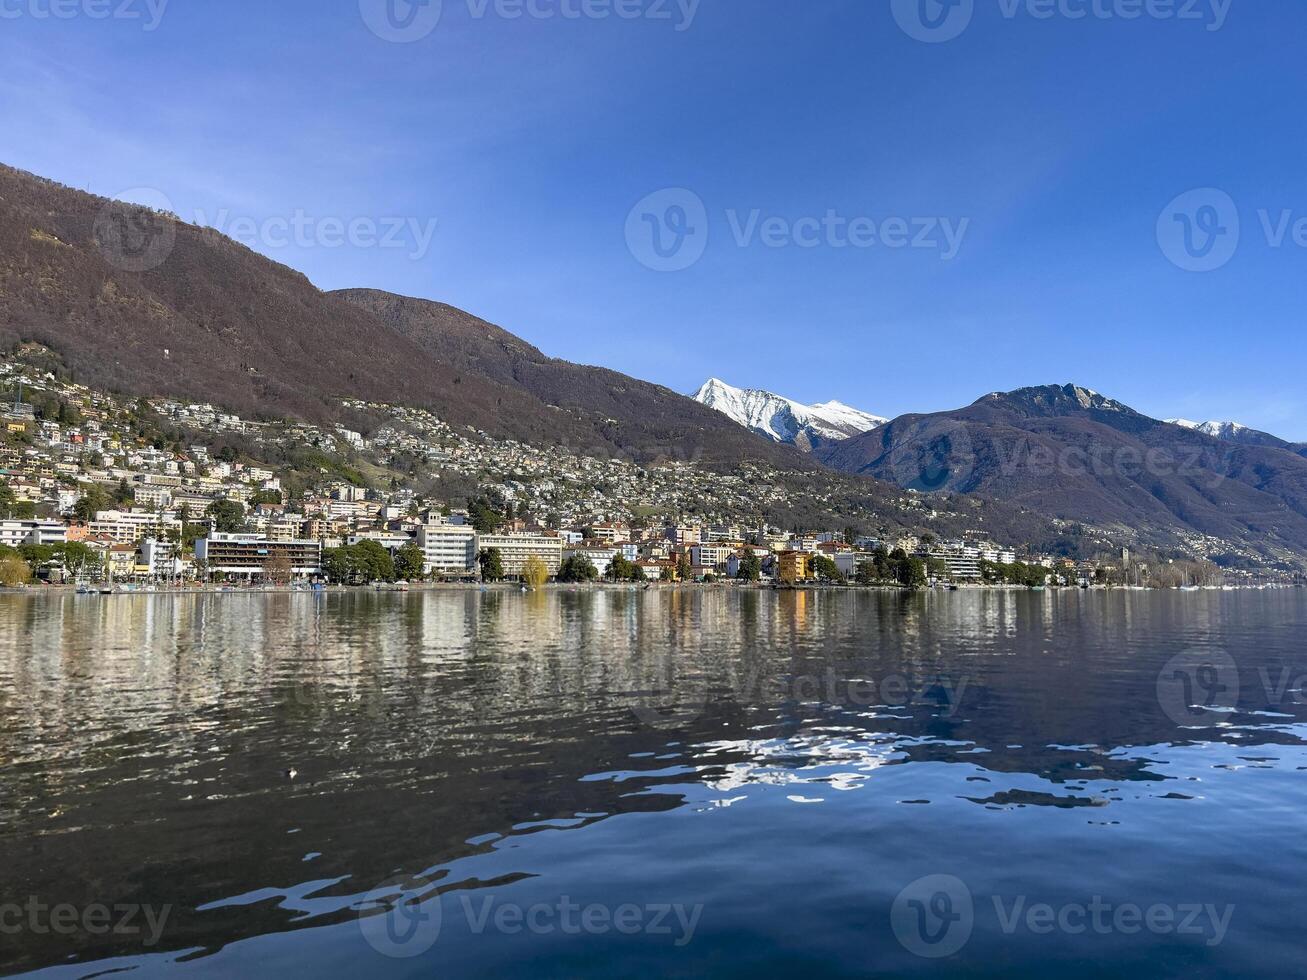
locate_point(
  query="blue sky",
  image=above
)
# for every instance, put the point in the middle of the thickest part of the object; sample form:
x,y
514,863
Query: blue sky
x,y
1052,145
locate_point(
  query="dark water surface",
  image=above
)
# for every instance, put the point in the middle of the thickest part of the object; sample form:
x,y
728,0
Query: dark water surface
x,y
654,783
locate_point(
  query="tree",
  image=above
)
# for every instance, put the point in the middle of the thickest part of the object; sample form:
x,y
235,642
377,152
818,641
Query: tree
x,y
278,569
824,567
668,574
621,570
577,568
375,561
91,503
492,564
265,497
76,557
123,495
228,516
485,519
684,570
14,571
912,573
750,568
866,573
13,508
336,564
410,562
535,573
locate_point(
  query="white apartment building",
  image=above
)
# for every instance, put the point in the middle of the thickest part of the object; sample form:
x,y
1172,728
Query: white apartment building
x,y
16,533
129,526
152,496
710,556
450,549
515,549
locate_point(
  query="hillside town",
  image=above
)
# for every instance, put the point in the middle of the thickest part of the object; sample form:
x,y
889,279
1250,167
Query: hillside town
x,y
104,491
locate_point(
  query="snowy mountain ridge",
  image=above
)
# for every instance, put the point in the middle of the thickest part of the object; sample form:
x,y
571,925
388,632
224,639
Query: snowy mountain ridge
x,y
785,420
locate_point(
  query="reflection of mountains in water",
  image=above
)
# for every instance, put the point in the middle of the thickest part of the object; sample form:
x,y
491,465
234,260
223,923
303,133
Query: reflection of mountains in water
x,y
430,728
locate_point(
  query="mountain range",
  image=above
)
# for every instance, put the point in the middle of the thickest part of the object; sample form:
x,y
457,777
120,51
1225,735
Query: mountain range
x,y
1241,434
143,303
1072,454
784,420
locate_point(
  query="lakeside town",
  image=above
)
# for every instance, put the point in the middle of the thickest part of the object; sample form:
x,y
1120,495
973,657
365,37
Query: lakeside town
x,y
113,493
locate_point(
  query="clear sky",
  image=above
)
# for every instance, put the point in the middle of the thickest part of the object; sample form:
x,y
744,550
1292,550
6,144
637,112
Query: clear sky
x,y
830,144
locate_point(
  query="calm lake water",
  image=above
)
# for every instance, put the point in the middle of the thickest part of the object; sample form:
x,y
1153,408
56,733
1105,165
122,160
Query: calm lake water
x,y
654,783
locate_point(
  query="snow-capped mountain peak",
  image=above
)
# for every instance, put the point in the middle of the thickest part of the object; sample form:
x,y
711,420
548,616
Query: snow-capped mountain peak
x,y
785,420
1230,431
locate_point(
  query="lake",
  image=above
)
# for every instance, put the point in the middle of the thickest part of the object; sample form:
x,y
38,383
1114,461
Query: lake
x,y
680,783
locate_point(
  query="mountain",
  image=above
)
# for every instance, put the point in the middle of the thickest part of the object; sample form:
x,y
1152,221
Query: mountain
x,y
138,301
784,420
1069,453
1242,434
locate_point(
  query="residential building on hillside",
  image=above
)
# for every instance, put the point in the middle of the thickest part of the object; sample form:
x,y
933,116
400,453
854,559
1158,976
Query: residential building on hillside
x,y
16,533
794,566
251,556
515,549
448,549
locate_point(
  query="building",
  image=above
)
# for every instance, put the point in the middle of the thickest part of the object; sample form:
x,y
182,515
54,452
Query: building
x,y
848,562
794,566
160,558
608,533
252,556
684,537
961,558
515,549
448,549
710,556
129,526
16,533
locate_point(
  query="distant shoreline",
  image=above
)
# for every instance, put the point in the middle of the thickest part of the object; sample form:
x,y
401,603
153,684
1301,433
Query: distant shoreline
x,y
509,587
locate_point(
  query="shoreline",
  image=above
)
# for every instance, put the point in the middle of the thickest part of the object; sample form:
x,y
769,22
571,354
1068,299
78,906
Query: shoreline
x,y
39,590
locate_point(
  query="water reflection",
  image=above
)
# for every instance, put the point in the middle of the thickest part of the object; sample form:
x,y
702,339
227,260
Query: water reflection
x,y
478,739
